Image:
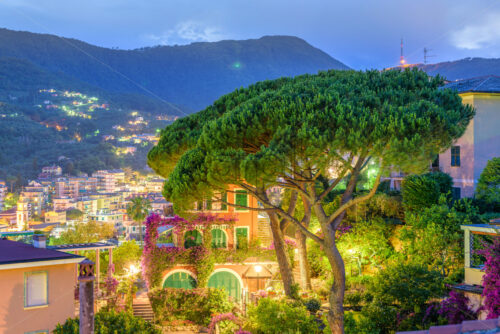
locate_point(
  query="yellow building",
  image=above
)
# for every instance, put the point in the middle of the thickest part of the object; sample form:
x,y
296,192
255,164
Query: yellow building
x,y
468,156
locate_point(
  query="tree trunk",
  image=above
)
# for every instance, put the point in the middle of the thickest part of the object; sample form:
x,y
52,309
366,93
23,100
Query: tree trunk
x,y
282,255
336,298
305,273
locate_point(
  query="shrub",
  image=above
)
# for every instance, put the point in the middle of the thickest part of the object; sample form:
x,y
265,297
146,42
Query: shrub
x,y
488,186
422,191
456,308
313,305
196,305
279,316
110,322
491,279
433,237
406,285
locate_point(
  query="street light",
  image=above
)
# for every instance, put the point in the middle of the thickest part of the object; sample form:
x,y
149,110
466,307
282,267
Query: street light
x,y
258,269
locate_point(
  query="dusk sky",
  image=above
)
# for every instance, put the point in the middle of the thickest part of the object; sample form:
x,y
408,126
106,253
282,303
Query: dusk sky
x,y
360,33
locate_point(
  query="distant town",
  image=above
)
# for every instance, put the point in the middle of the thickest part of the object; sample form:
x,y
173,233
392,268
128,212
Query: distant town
x,y
102,197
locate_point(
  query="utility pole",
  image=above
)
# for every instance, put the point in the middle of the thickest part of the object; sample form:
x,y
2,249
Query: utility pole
x,y
401,58
426,55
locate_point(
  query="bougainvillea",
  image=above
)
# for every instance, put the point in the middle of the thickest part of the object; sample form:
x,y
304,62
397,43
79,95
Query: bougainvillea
x,y
219,318
155,260
491,278
456,308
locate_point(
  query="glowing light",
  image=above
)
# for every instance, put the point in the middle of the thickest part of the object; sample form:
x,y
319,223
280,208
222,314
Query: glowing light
x,y
237,65
258,268
133,269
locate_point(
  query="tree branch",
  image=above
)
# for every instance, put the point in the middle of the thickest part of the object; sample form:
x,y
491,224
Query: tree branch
x,y
356,200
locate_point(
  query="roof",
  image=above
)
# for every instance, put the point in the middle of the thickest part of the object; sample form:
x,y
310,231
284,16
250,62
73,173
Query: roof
x,y
485,84
78,247
489,326
18,252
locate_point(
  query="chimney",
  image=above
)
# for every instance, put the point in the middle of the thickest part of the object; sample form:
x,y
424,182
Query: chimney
x,y
39,241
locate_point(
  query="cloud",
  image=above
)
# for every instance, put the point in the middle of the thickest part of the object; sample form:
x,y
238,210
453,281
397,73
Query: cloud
x,y
477,36
188,32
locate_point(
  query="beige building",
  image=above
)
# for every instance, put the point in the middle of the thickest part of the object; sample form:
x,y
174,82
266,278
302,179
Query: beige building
x,y
468,156
38,287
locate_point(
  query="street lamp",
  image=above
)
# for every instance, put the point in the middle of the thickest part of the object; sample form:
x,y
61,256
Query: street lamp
x,y
258,269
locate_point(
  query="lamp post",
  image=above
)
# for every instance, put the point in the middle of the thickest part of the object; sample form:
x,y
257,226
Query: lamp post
x,y
86,279
258,269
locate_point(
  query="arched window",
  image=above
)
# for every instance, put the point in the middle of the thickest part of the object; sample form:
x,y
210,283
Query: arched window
x,y
228,281
219,239
182,280
192,238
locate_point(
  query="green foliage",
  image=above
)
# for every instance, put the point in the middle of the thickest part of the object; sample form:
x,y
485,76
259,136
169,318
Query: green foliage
x,y
367,243
129,252
488,186
84,233
205,151
73,214
422,191
110,322
272,316
433,237
196,305
408,286
313,305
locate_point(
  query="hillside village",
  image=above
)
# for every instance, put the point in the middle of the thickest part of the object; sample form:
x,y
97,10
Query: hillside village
x,y
228,241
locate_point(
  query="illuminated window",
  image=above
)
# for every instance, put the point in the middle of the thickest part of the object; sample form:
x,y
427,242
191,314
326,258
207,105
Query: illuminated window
x,y
35,289
455,156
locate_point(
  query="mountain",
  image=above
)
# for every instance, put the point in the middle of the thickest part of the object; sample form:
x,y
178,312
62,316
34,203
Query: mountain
x,y
464,68
191,75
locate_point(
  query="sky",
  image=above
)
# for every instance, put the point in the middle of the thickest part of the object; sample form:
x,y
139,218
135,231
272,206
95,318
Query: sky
x,y
363,34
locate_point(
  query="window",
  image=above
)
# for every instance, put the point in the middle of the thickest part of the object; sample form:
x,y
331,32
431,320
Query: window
x,y
455,156
435,162
241,237
456,193
223,206
35,289
218,238
192,238
241,199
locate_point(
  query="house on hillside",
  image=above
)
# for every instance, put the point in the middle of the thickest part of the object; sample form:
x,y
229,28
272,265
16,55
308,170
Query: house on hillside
x,y
243,228
37,285
468,156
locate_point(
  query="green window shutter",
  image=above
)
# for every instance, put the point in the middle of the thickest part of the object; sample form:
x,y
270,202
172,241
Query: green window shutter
x,y
241,238
192,238
209,205
223,206
241,198
180,280
218,239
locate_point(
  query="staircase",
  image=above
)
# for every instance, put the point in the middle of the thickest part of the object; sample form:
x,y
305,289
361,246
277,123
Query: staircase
x,y
142,308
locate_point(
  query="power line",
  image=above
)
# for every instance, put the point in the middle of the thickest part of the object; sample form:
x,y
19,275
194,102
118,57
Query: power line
x,y
102,63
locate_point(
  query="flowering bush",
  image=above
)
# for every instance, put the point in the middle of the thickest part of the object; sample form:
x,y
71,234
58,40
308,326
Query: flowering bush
x,y
155,260
227,323
491,278
456,308
196,305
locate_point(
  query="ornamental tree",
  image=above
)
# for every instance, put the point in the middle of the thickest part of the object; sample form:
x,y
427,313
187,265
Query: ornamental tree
x,y
290,132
